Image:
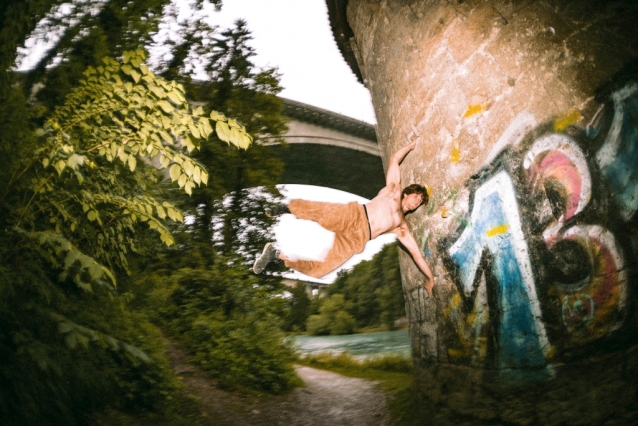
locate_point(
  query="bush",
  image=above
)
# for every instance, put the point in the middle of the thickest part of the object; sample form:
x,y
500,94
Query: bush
x,y
318,325
52,376
231,327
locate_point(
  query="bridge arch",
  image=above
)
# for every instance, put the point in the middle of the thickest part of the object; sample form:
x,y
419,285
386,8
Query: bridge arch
x,y
324,148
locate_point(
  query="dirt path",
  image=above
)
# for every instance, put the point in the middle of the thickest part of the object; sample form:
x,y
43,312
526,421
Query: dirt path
x,y
327,399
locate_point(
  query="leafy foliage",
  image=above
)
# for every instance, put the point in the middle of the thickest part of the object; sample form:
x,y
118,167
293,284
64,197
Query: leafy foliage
x,y
55,371
120,114
236,86
230,325
75,198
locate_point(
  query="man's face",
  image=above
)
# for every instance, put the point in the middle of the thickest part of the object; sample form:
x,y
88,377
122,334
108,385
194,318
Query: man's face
x,y
411,202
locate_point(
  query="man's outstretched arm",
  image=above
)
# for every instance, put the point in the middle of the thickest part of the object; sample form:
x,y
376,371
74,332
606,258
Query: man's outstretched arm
x,y
408,241
394,173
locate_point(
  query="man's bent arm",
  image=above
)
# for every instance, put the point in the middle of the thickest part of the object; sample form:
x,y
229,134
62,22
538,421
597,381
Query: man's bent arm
x,y
408,241
394,174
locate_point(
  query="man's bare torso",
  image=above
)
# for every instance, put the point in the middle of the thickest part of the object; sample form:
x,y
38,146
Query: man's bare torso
x,y
384,210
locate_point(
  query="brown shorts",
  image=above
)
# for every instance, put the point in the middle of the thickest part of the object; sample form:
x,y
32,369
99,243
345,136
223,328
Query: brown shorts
x,y
350,224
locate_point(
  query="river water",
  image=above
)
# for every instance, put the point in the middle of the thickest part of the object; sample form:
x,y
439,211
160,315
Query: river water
x,y
363,345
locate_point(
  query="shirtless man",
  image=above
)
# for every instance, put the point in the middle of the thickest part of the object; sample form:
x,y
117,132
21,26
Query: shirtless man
x,y
355,224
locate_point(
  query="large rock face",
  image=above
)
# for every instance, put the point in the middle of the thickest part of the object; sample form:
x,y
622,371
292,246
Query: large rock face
x,y
526,117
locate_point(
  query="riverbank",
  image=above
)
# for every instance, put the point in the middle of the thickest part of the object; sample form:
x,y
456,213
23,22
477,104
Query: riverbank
x,y
360,346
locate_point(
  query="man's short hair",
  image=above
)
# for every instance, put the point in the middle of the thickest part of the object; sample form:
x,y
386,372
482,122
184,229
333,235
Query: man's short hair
x,y
415,188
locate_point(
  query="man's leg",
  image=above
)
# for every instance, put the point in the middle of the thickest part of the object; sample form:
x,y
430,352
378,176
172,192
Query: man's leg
x,y
350,225
340,252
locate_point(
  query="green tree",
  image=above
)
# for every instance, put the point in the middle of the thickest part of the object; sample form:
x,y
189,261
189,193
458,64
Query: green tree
x,y
389,294
299,309
74,199
233,84
374,289
333,317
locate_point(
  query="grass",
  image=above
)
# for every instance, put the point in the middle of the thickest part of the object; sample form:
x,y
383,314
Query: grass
x,y
380,329
395,377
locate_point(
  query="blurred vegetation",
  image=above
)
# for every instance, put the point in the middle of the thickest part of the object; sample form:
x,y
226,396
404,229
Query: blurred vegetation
x,y
300,308
229,323
368,296
83,273
345,362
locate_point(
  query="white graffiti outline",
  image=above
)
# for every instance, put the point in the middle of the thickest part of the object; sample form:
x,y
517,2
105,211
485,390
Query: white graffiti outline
x,y
513,135
567,146
607,153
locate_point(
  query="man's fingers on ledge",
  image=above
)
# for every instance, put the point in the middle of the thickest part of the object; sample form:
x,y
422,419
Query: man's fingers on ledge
x,y
429,285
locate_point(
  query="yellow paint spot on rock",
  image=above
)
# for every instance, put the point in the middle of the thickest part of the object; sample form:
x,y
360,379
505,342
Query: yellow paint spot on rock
x,y
473,110
458,353
565,120
501,229
456,152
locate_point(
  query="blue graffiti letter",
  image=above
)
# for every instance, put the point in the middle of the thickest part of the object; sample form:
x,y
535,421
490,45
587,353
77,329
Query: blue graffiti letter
x,y
495,225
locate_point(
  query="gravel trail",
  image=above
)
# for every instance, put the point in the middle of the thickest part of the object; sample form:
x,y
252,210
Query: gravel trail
x,y
327,399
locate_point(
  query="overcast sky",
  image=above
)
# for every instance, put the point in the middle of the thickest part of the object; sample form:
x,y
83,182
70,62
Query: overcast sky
x,y
291,35
295,36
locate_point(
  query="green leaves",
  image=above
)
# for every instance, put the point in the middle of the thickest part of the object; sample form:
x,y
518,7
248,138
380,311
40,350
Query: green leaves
x,y
175,172
66,255
75,334
89,184
124,112
232,132
87,189
166,106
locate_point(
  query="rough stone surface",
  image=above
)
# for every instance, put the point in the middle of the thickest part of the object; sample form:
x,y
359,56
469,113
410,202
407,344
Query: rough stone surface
x,y
526,120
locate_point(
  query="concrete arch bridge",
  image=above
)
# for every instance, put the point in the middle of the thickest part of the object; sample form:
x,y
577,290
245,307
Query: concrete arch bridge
x,y
329,149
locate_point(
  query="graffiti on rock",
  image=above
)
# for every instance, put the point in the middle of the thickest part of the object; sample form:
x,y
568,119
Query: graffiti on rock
x,y
539,259
618,157
496,231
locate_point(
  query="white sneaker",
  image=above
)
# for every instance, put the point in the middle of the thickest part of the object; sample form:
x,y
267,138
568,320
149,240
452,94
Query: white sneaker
x,y
267,255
